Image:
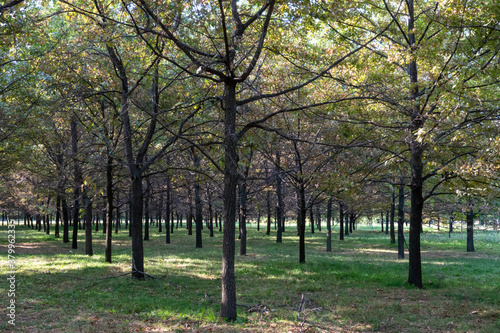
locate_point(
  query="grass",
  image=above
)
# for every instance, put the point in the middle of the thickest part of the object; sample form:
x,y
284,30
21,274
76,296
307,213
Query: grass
x,y
358,287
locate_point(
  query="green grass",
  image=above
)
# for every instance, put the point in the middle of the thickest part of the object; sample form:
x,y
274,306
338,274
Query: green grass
x,y
360,286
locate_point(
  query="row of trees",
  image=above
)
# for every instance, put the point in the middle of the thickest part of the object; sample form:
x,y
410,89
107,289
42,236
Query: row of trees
x,y
260,108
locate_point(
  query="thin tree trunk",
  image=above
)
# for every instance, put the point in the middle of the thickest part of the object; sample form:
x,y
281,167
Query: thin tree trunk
x,y
146,215
243,217
352,220
393,212
88,224
117,225
97,218
401,218
77,184
198,214
346,227
65,217
318,217
382,220
329,225
470,230
387,222
450,226
136,210
279,196
58,215
210,214
302,223
168,226
268,206
341,220
311,218
109,208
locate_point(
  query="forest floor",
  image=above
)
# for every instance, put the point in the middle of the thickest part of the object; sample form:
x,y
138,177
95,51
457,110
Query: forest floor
x,y
358,287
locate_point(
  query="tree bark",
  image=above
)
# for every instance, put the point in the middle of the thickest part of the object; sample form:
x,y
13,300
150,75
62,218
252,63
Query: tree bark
x,y
279,196
470,230
302,210
450,226
393,212
198,218
341,220
65,218
382,220
136,211
387,222
268,206
318,217
169,227
210,214
243,217
417,150
146,213
77,184
117,208
329,225
401,219
346,227
311,218
228,306
88,224
109,209
58,215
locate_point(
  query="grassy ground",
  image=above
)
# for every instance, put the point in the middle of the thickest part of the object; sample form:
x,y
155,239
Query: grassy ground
x,y
358,287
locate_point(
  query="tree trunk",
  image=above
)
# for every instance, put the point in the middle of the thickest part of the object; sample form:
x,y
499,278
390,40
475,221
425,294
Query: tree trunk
x,y
169,227
58,215
387,222
258,219
109,208
279,196
417,150
329,225
352,220
172,221
97,219
450,226
382,220
105,222
146,215
77,184
311,218
346,227
268,206
65,218
401,219
126,220
243,217
210,214
318,217
302,222
159,215
88,224
117,225
341,220
470,230
136,211
228,306
393,212
198,218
